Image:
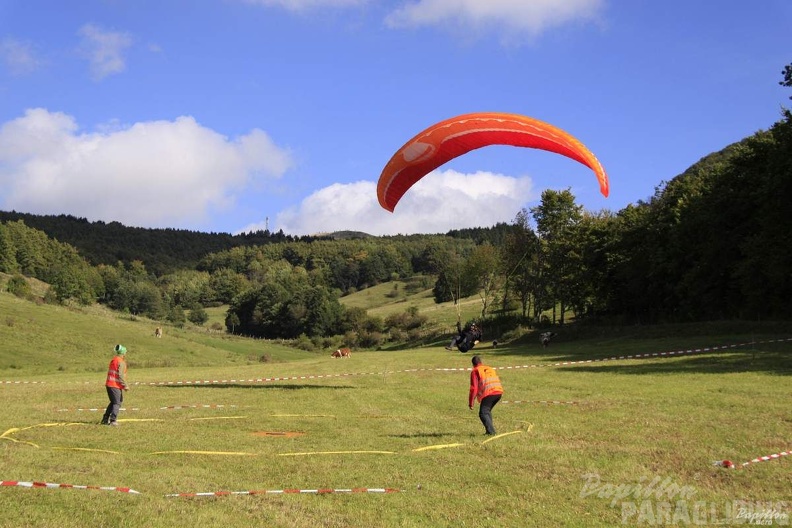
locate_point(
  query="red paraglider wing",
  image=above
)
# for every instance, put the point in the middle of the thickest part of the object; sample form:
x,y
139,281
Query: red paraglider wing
x,y
453,137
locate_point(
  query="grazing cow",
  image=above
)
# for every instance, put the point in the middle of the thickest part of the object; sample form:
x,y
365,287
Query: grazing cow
x,y
545,337
341,353
158,332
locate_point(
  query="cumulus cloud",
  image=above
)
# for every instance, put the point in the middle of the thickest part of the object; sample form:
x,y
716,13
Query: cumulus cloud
x,y
441,201
515,16
149,174
18,56
105,50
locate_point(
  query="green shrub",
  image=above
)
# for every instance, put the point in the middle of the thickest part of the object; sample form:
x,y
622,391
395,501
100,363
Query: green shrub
x,y
19,287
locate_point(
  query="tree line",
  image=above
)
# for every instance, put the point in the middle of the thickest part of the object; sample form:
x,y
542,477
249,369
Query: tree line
x,y
713,243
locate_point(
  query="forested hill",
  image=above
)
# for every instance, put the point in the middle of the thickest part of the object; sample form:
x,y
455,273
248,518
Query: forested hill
x,y
161,250
164,251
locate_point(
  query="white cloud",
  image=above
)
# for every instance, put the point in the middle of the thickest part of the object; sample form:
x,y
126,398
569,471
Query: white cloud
x,y
303,5
151,174
105,50
509,18
441,201
18,56
514,16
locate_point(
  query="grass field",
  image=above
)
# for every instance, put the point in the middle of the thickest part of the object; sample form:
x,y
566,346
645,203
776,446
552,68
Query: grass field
x,y
635,447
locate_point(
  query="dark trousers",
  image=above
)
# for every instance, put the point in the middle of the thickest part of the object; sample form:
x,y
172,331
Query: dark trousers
x,y
116,398
485,412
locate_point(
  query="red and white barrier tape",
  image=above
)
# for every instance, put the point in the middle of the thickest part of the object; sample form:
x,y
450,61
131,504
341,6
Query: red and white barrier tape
x,y
260,380
72,486
219,406
731,465
545,402
169,407
318,491
97,410
453,369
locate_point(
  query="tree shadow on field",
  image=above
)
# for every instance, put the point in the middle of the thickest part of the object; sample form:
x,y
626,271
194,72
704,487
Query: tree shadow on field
x,y
256,386
778,363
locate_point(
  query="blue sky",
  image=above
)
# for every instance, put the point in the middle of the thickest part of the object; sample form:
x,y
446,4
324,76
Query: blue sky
x,y
233,115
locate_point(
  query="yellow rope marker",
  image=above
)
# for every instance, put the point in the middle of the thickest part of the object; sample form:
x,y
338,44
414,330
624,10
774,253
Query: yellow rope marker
x,y
6,435
140,420
86,449
499,436
229,453
439,446
12,430
19,441
56,424
339,453
220,418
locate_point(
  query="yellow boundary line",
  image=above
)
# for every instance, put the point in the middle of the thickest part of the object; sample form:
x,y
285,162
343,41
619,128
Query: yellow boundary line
x,y
7,433
433,447
499,436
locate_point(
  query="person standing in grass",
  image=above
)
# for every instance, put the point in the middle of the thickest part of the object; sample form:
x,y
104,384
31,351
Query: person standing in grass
x,y
486,386
116,385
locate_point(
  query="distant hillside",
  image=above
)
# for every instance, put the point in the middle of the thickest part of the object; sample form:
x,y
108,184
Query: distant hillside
x,y
161,250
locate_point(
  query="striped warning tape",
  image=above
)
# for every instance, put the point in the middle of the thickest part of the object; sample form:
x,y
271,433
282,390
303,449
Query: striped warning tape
x,y
71,486
452,369
647,355
96,409
731,465
260,380
217,406
774,456
169,407
318,491
546,402
20,382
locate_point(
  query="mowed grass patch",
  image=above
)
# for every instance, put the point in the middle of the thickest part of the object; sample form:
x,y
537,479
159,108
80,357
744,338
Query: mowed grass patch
x,y
396,297
365,417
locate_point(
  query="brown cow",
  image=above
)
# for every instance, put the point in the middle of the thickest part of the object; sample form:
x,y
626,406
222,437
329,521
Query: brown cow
x,y
158,332
341,353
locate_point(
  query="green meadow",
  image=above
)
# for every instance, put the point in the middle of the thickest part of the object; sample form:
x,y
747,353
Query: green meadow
x,y
600,443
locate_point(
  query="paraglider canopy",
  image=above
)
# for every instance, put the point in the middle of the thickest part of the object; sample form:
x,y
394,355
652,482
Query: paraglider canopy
x,y
453,137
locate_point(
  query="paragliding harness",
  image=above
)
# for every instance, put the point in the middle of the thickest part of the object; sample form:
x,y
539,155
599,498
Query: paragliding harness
x,y
469,338
545,338
471,335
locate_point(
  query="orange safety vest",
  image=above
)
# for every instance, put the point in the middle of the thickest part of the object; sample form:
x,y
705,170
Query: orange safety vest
x,y
488,382
116,373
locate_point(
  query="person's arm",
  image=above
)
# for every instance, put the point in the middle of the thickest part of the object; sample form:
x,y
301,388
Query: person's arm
x,y
122,368
474,383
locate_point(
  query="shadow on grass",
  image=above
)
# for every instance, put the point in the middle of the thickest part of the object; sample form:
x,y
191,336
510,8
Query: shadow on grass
x,y
422,435
255,386
712,363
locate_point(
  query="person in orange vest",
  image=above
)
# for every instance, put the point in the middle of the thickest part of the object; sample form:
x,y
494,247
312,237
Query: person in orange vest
x,y
116,385
486,386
